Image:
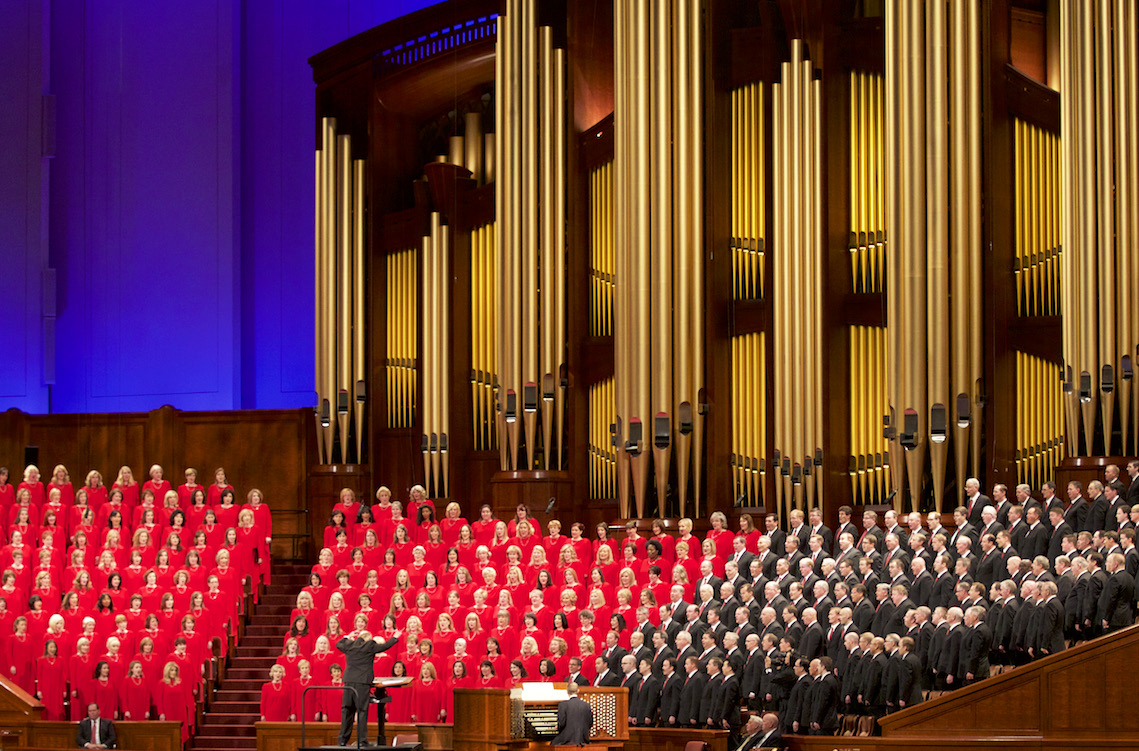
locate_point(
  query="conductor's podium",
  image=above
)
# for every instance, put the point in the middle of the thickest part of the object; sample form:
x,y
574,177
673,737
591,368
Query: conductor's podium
x,y
519,719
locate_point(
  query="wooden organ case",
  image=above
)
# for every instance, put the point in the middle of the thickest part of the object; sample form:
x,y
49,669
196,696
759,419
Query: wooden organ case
x,y
662,258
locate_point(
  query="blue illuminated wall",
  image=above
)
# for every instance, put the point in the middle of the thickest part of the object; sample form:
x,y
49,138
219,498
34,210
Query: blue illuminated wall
x,y
175,206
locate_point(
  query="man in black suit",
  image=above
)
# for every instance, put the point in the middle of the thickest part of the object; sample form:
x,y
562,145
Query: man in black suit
x,y
575,675
1049,621
1060,528
1096,520
670,692
1116,607
614,652
845,526
661,651
575,718
909,678
1035,538
870,525
975,501
359,652
606,678
740,554
691,691
775,535
94,731
823,698
964,528
975,646
1077,513
1133,487
726,714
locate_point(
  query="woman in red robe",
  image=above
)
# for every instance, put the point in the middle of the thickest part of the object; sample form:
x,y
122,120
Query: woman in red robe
x,y
21,656
399,710
134,694
105,690
172,699
457,679
277,698
427,703
81,673
51,681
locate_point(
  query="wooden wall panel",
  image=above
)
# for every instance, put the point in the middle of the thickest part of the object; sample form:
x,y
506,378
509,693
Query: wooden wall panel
x,y
265,449
135,736
1081,693
286,736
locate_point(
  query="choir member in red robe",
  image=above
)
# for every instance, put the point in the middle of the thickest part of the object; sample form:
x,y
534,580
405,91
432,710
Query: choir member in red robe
x,y
21,655
51,681
277,698
173,700
458,679
427,696
105,690
134,694
81,674
399,709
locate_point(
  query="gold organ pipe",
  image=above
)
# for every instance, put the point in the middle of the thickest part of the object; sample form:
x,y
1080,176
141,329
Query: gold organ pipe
x,y
1104,118
795,240
1088,221
639,281
359,346
490,149
938,255
443,293
683,249
914,250
427,361
1132,209
780,292
976,364
817,278
559,306
331,194
1068,306
546,263
477,335
855,412
624,127
501,209
1124,125
660,300
696,241
473,145
960,384
893,136
318,277
806,278
527,253
456,151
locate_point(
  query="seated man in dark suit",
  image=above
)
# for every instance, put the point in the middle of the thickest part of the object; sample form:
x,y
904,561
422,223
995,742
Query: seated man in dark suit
x,y
94,731
575,718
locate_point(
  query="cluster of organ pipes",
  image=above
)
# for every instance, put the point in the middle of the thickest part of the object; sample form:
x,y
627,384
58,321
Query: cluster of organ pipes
x,y
1099,208
659,241
435,362
1039,419
1036,224
798,250
869,453
602,459
341,358
749,417
933,236
867,242
484,373
748,191
402,357
601,282
530,239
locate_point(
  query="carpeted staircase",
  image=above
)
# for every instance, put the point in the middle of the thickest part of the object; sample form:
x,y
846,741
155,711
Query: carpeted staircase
x,y
228,723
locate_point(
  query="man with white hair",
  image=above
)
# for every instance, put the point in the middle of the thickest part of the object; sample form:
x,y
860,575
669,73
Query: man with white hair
x,y
975,501
989,523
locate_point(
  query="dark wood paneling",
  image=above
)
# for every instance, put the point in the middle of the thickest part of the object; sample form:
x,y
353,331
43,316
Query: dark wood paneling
x,y
264,449
135,736
1052,699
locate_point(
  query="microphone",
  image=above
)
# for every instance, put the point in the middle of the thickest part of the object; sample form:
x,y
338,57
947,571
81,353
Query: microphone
x,y
550,506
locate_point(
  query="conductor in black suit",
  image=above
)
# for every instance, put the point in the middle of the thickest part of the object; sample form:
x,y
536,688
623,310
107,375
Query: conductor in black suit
x,y
94,731
575,719
358,677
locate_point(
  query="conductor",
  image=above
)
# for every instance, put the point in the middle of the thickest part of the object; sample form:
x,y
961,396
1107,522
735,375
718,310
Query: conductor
x,y
359,652
575,719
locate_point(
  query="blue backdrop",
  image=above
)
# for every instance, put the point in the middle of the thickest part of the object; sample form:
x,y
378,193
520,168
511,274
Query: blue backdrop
x,y
156,200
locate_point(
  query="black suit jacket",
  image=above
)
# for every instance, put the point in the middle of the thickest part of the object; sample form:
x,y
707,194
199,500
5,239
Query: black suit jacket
x,y
975,511
1133,492
1097,515
1077,514
670,697
1056,541
575,718
106,732
360,654
691,691
609,680
772,739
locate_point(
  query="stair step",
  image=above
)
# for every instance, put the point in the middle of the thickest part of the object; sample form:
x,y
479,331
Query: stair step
x,y
224,742
228,695
242,684
236,718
